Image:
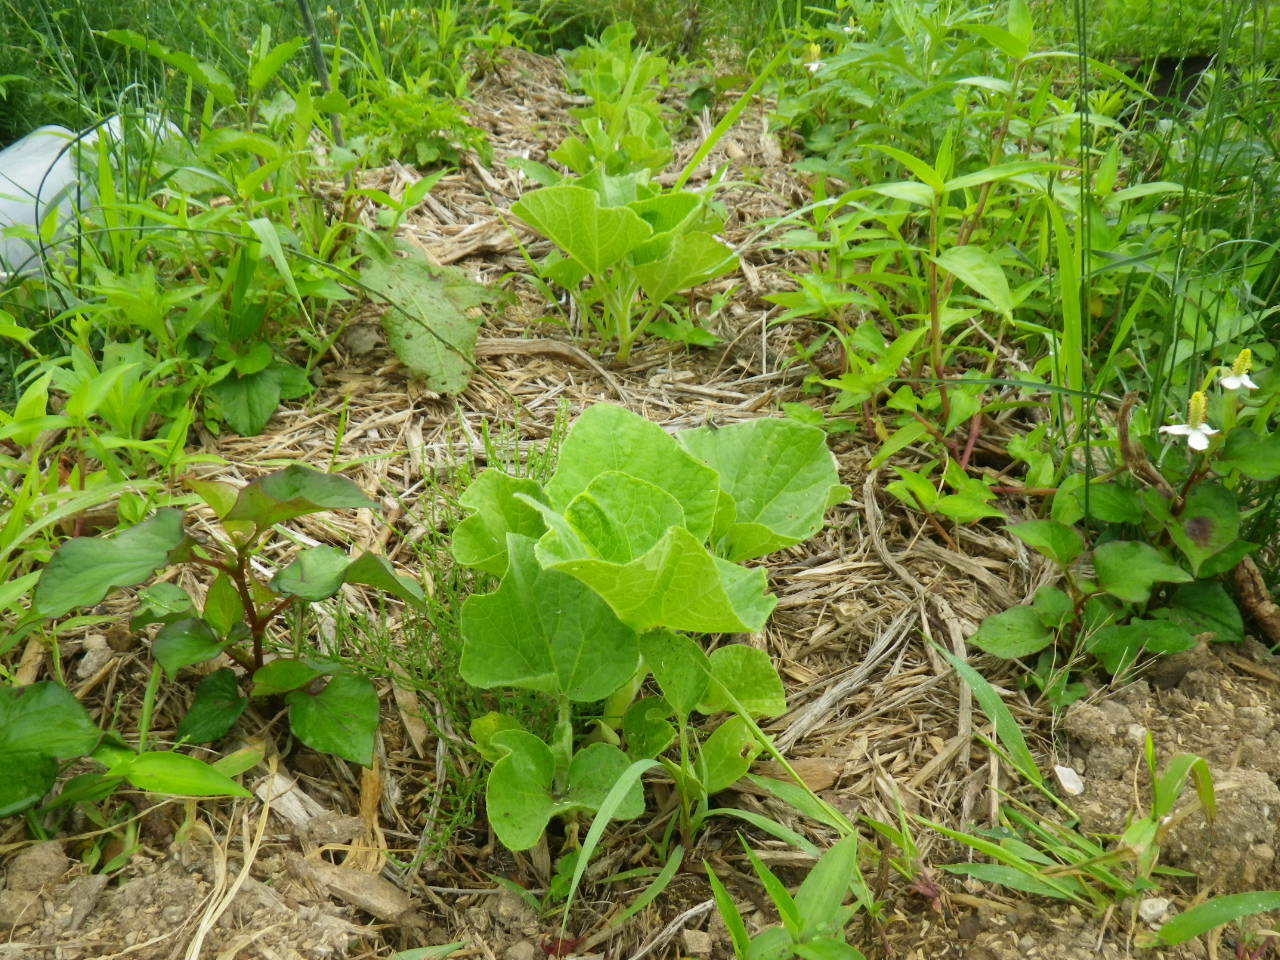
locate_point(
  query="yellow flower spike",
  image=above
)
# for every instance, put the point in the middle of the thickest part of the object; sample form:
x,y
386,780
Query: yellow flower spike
x,y
1243,363
813,52
1197,410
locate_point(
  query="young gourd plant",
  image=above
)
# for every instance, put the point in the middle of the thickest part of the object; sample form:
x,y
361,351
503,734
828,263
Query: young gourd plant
x,y
331,708
635,544
626,244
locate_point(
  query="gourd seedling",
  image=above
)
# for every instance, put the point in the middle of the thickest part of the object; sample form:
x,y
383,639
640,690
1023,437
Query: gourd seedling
x,y
639,534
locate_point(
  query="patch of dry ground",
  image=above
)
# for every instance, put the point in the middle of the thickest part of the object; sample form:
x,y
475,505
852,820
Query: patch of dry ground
x,y
877,719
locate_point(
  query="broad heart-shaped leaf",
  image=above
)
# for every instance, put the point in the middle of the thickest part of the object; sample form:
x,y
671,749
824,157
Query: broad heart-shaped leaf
x,y
341,719
175,774
1205,607
480,541
727,754
281,676
543,630
693,258
247,402
607,437
571,217
781,476
677,584
317,573
748,675
1208,525
44,718
216,708
293,492
39,725
1128,570
680,667
183,643
82,571
314,574
1057,541
431,322
1017,632
980,271
1118,646
647,728
1256,456
521,797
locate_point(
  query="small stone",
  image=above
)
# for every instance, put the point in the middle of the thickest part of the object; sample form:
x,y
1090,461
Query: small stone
x,y
1153,909
511,910
18,907
521,950
697,943
97,653
37,866
1070,781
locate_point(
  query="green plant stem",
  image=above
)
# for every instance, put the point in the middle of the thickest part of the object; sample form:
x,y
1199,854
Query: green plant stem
x,y
148,706
935,319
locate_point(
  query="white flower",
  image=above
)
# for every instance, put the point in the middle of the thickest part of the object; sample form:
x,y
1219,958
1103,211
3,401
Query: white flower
x,y
1197,437
814,66
1238,382
848,30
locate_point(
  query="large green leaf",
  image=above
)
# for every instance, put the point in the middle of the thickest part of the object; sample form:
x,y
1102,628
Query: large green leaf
x,y
433,321
593,236
681,669
217,706
175,774
1208,524
521,796
677,584
607,437
1206,607
543,630
693,258
1256,456
1117,646
82,571
294,492
727,754
1017,632
481,540
184,643
39,724
341,719
746,675
979,270
1057,541
1213,913
316,573
1129,570
781,476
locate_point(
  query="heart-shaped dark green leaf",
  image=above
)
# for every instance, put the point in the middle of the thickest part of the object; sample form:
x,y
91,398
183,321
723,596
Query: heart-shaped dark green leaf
x,y
281,676
217,706
543,630
314,574
1129,570
1257,456
1053,606
1205,607
780,475
1017,632
520,797
480,541
183,643
1057,541
1118,646
745,674
82,571
1208,524
294,492
341,719
39,724
162,603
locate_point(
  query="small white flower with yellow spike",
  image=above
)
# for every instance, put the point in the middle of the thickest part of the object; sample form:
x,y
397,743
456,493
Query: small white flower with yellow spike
x,y
814,53
1238,378
1196,429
